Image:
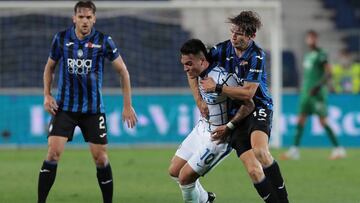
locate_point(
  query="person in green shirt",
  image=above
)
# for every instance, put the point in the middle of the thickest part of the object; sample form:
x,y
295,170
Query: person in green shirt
x,y
313,96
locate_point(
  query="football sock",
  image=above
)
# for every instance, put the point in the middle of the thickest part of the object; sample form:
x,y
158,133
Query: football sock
x,y
298,134
190,193
266,191
274,175
46,179
105,180
331,135
203,195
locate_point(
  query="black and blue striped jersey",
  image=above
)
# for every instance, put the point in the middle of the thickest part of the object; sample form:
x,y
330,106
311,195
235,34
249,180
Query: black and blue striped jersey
x,y
249,67
81,67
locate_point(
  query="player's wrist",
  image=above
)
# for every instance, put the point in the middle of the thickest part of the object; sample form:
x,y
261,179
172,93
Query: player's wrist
x,y
218,88
230,125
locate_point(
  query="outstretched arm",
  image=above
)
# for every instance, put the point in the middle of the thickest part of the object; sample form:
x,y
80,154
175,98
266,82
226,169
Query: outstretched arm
x,y
128,115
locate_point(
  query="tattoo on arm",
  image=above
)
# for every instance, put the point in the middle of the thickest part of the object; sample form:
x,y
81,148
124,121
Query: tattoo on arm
x,y
245,109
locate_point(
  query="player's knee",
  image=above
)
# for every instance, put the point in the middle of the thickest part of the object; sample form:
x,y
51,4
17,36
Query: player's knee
x,y
53,155
263,155
173,171
256,173
101,159
186,178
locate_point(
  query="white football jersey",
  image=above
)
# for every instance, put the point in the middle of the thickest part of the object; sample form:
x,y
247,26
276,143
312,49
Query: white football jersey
x,y
218,103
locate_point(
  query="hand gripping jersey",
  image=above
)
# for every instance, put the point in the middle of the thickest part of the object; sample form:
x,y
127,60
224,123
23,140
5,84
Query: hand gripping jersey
x,y
218,104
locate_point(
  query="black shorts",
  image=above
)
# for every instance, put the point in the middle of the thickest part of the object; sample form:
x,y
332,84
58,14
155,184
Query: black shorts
x,y
93,126
260,119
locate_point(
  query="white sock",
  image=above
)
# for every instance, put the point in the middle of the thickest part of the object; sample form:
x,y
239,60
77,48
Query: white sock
x,y
176,179
203,195
190,193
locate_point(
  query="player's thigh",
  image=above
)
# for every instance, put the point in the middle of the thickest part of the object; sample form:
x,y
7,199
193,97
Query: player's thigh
x,y
208,156
99,153
93,127
63,124
192,142
187,175
306,106
320,108
56,145
240,138
252,166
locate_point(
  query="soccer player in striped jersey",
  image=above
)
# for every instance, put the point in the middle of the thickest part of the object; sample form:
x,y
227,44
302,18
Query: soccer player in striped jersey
x,y
81,51
249,137
198,154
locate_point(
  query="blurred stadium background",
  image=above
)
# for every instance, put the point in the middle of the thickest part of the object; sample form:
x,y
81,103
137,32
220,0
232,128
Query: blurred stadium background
x,y
149,39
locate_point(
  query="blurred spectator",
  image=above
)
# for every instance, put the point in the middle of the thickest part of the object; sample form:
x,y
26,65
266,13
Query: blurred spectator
x,y
346,74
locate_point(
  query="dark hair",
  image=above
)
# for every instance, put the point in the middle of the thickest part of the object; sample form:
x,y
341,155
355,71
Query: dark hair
x,y
85,4
248,21
195,47
312,32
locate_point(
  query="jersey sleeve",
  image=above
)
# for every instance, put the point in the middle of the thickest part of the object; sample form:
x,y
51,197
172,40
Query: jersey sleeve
x,y
257,67
111,51
55,53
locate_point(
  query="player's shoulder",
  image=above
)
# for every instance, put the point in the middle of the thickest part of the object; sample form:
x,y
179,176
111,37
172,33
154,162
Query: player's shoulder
x,y
222,45
257,52
62,33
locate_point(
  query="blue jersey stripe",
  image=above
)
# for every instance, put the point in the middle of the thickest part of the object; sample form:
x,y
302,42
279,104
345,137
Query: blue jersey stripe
x,y
81,68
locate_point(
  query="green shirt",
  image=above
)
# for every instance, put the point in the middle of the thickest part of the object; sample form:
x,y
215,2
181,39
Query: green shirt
x,y
314,70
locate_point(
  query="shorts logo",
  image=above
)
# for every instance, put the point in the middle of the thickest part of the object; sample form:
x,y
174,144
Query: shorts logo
x,y
79,66
50,127
102,135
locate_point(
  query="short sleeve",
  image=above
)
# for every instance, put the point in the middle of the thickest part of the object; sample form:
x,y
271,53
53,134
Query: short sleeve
x,y
111,51
55,53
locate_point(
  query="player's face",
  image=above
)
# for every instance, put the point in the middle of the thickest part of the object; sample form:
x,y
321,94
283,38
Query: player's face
x,y
238,38
311,40
192,65
84,19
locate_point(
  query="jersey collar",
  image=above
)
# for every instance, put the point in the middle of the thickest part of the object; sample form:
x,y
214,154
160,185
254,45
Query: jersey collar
x,y
207,70
74,37
247,52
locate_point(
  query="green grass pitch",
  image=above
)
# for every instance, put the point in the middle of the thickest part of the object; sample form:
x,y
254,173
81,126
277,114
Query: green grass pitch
x,y
140,175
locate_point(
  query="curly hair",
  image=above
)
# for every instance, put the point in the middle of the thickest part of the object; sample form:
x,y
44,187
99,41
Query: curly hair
x,y
248,21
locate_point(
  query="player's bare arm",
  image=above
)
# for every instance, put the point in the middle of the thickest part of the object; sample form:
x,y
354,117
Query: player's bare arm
x,y
221,133
194,86
245,92
50,104
128,115
322,81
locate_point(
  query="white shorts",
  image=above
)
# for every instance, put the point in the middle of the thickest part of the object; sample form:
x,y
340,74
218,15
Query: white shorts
x,y
200,152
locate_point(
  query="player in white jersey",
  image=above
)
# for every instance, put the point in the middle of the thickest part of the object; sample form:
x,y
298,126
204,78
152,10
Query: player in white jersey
x,y
198,154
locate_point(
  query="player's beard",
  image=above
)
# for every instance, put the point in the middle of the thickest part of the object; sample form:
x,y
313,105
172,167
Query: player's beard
x,y
85,30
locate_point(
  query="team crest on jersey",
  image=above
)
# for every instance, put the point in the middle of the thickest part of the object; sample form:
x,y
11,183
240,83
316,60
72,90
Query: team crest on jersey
x,y
80,53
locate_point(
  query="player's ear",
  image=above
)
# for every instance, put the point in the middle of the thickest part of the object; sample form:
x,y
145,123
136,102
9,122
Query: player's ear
x,y
74,19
